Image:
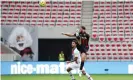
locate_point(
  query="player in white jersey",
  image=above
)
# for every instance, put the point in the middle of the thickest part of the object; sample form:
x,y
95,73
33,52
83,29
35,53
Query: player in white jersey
x,y
75,64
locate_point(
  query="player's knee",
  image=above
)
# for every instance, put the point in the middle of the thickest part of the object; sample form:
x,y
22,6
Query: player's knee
x,y
83,54
68,69
83,57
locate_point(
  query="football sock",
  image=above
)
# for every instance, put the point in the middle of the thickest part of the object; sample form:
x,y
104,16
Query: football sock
x,y
70,73
87,75
82,65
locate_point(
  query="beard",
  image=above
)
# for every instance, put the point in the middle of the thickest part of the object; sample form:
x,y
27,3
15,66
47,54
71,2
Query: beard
x,y
73,47
20,44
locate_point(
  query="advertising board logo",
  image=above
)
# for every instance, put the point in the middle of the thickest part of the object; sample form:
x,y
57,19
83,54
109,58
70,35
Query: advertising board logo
x,y
41,68
130,68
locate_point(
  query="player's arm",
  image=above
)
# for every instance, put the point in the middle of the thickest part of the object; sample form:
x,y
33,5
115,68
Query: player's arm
x,y
72,35
68,34
79,40
88,36
76,58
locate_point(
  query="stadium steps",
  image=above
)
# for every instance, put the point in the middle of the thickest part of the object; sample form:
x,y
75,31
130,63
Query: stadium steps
x,y
8,54
87,12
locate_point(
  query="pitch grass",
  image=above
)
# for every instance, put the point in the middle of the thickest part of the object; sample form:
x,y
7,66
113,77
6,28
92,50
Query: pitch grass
x,y
65,77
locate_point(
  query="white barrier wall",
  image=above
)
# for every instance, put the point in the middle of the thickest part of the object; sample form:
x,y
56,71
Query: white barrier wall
x,y
54,32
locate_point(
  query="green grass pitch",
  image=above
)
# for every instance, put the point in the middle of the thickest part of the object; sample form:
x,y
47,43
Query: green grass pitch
x,y
65,77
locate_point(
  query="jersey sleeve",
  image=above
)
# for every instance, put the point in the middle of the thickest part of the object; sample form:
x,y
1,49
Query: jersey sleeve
x,y
76,53
77,36
88,36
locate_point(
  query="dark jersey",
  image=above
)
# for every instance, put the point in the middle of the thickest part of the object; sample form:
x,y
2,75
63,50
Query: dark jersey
x,y
84,38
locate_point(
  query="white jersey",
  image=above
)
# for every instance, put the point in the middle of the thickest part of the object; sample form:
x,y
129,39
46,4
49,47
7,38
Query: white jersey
x,y
77,54
74,65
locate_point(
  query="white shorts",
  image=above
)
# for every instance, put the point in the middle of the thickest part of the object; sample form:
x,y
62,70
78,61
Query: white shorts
x,y
73,65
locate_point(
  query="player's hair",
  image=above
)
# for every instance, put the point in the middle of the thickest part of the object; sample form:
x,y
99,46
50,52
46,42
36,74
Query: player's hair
x,y
83,27
75,41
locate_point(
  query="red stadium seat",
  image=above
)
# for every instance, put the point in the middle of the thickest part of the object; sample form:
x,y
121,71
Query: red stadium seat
x,y
94,35
101,38
97,53
92,45
109,38
112,22
97,45
108,49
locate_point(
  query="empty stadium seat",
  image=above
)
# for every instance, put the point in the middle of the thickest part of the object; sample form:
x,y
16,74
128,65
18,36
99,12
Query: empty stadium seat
x,y
54,10
112,23
114,29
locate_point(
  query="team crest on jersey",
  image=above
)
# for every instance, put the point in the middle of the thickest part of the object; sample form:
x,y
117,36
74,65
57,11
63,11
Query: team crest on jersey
x,y
84,38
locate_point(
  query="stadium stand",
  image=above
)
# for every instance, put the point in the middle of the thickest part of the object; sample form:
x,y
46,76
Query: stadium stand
x,y
112,23
113,28
56,13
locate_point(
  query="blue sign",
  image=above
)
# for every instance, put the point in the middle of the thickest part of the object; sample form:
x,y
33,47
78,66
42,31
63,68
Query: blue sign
x,y
60,68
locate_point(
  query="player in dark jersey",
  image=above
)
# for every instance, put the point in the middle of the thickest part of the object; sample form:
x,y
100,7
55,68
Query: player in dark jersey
x,y
83,44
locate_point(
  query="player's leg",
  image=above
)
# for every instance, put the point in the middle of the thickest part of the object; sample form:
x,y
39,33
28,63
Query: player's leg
x,y
83,58
69,68
86,74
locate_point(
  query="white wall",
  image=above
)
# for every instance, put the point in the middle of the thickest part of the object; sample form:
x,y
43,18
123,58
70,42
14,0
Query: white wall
x,y
55,32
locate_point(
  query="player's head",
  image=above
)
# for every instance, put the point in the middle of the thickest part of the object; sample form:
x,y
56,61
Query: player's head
x,y
74,43
82,29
